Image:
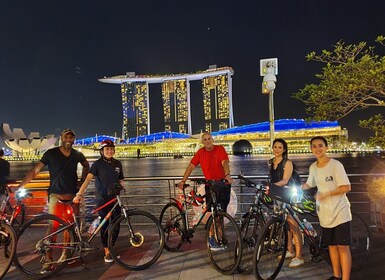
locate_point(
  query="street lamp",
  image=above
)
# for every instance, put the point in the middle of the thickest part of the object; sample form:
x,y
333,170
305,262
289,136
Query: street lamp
x,y
268,69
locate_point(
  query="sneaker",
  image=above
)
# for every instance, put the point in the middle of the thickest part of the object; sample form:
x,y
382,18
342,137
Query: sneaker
x,y
214,245
108,258
287,256
296,262
46,266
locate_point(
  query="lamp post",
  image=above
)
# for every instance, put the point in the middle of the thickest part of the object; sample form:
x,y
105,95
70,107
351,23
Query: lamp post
x,y
268,69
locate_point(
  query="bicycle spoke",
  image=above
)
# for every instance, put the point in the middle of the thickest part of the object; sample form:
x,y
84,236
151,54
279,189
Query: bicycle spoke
x,y
138,243
7,247
250,229
271,250
360,244
38,256
227,256
172,224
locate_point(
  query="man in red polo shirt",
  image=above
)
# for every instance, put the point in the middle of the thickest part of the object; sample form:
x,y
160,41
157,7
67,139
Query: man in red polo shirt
x,y
214,162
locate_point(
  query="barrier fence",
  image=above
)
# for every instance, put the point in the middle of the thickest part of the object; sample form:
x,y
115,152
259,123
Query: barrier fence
x,y
152,193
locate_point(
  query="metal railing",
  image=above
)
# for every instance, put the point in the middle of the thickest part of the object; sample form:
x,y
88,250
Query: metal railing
x,y
152,193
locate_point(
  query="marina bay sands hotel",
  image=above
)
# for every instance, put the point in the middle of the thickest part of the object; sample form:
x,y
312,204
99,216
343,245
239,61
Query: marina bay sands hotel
x,y
216,94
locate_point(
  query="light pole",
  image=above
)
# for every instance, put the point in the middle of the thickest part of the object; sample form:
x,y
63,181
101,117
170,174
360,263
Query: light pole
x,y
268,69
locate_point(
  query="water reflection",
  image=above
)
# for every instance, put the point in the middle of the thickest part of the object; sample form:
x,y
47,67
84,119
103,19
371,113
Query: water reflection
x,y
250,165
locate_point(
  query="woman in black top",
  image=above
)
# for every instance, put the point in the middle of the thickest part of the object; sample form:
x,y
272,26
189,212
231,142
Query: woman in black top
x,y
108,173
281,169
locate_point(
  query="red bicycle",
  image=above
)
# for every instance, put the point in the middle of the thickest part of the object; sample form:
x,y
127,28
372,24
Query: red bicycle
x,y
14,213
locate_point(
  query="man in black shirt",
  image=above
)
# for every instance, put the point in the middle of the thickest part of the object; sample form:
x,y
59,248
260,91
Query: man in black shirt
x,y
62,164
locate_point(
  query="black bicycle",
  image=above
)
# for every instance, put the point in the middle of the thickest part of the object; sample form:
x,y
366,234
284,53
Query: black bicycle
x,y
272,242
223,228
48,243
252,222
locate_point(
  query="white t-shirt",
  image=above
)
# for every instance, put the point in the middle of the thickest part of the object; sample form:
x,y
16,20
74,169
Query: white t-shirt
x,y
333,210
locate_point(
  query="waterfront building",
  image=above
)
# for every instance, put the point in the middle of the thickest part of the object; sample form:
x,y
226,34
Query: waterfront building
x,y
246,139
135,109
216,95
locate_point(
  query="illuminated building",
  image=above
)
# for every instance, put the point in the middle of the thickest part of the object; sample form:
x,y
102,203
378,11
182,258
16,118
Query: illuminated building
x,y
216,102
175,106
217,96
135,109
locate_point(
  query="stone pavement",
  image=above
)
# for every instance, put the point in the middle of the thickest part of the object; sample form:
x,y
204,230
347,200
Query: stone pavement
x,y
192,262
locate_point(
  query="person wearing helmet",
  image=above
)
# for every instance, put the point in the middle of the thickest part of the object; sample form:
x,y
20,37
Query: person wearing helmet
x,y
108,174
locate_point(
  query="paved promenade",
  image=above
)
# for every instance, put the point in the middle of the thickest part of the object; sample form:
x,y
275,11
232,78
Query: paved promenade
x,y
192,262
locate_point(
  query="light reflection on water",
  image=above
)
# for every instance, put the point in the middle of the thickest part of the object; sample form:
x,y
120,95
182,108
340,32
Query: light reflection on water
x,y
250,165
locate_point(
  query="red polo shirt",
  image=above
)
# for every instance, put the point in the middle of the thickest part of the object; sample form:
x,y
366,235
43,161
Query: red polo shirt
x,y
211,162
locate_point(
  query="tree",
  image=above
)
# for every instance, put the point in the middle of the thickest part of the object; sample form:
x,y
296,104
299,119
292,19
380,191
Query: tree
x,y
352,79
377,124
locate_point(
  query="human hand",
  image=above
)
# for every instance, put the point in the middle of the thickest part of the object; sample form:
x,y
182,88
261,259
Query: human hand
x,y
181,185
229,179
77,199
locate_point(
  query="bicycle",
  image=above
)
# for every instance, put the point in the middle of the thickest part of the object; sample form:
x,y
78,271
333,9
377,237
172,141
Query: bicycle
x,y
54,241
272,242
252,223
175,223
8,239
14,214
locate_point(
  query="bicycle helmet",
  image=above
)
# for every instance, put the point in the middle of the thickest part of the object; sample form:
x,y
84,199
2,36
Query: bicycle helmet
x,y
106,143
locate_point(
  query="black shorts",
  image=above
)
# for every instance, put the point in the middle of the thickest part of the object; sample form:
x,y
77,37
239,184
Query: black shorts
x,y
222,192
339,235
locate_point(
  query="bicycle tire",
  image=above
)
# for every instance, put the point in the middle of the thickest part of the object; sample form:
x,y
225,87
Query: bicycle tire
x,y
270,253
251,227
172,223
32,247
8,239
361,246
227,259
141,250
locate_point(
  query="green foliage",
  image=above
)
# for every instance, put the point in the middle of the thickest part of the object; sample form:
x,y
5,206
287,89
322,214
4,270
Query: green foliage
x,y
352,79
377,124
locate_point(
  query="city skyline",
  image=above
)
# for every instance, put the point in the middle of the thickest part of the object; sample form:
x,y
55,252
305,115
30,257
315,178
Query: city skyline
x,y
53,54
215,97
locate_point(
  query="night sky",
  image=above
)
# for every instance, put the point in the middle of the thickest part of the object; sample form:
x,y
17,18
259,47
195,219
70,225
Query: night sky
x,y
52,54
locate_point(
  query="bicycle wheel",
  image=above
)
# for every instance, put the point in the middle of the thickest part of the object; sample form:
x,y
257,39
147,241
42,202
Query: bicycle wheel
x,y
8,239
361,247
227,256
251,227
140,241
271,249
171,221
37,254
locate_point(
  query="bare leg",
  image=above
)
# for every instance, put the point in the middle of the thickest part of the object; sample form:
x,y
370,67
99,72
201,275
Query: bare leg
x,y
335,259
297,236
345,261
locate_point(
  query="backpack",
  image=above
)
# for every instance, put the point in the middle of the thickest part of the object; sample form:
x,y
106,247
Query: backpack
x,y
295,179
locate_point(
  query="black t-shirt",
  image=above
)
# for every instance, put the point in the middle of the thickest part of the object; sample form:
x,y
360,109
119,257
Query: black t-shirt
x,y
4,173
107,175
62,170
